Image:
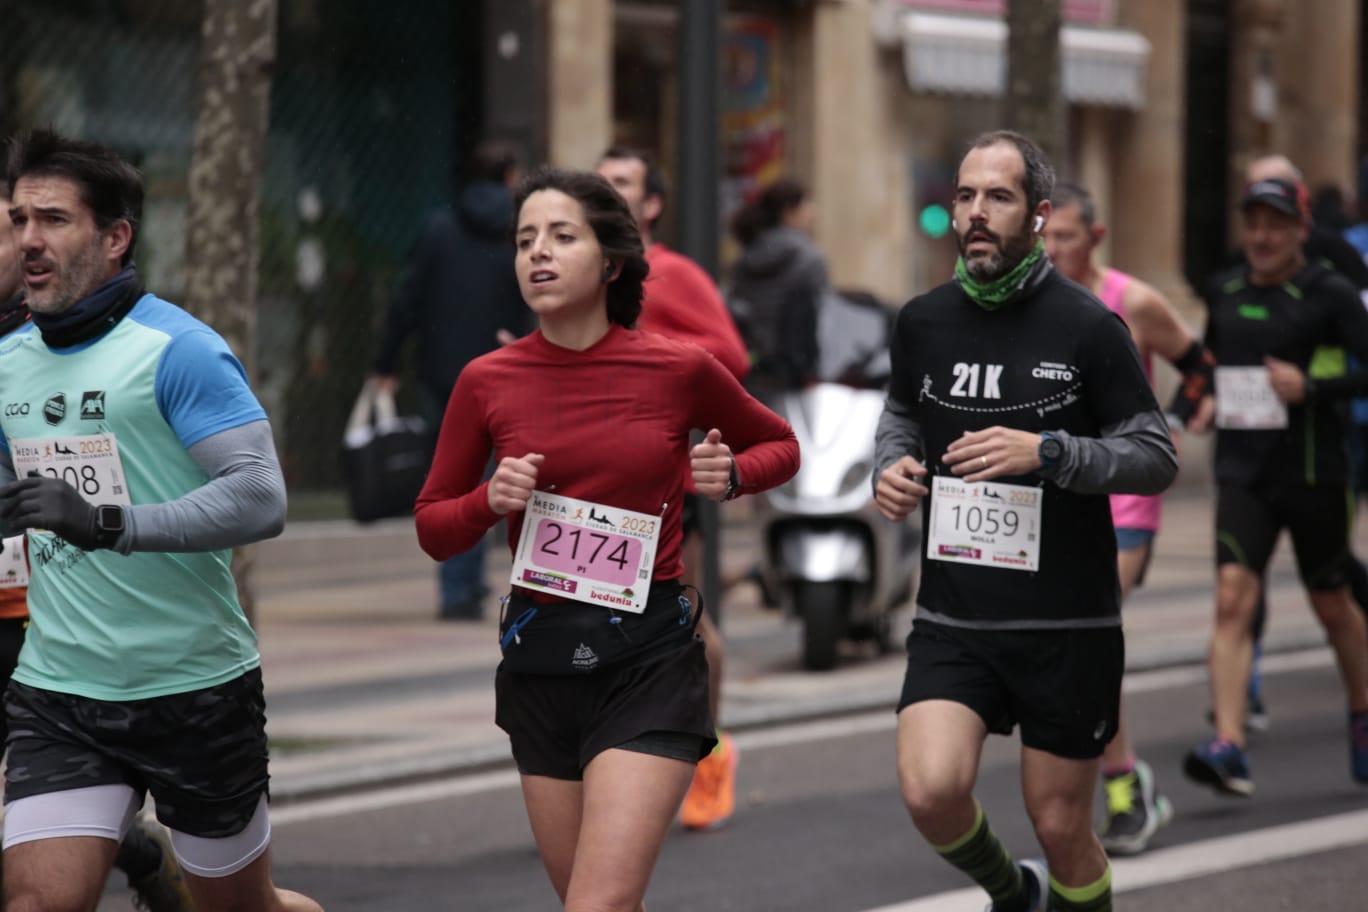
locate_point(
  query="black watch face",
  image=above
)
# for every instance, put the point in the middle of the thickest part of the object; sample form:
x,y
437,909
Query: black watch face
x,y
1051,449
110,519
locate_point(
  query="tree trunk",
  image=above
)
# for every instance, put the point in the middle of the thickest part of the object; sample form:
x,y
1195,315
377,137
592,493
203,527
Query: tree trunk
x,y
1033,105
221,248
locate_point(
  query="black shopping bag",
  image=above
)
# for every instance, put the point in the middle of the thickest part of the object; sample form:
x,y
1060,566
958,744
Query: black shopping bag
x,y
385,456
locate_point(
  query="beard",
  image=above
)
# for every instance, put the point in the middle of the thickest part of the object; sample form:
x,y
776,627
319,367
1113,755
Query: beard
x,y
1009,252
69,284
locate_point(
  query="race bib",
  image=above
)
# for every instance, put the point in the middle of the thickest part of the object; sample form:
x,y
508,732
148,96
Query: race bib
x,y
13,565
586,551
1245,400
89,463
985,523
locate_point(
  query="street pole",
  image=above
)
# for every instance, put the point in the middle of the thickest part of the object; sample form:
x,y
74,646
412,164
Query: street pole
x,y
700,90
1032,100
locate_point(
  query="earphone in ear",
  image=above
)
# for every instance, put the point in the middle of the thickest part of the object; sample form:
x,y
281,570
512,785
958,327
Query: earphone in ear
x,y
1039,223
607,273
954,224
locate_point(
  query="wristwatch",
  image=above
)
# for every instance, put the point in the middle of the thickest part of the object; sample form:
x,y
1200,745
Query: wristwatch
x,y
109,525
1050,450
733,482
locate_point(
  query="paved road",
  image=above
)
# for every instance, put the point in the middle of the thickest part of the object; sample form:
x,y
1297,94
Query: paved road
x,y
365,688
821,828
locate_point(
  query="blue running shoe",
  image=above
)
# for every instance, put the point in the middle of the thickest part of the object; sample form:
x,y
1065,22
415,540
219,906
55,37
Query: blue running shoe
x,y
1222,766
1358,746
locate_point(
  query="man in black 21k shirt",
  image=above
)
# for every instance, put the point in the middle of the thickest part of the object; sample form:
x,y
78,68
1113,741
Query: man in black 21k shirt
x,y
1018,404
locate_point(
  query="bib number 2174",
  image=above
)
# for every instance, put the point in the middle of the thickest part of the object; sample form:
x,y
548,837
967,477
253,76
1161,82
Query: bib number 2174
x,y
586,551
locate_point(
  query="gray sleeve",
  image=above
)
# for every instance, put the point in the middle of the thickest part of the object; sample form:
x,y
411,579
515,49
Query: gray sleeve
x,y
897,435
1135,456
242,502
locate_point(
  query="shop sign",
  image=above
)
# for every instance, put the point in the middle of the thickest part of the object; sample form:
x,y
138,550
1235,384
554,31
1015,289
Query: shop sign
x,y
1085,12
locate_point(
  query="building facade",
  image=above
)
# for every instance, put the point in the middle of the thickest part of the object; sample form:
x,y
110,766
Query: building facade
x,y
868,102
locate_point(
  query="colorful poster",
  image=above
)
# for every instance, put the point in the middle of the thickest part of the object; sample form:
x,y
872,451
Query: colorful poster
x,y
752,109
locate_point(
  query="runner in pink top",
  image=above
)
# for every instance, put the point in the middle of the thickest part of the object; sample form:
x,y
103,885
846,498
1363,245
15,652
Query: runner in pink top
x,y
1135,809
1129,511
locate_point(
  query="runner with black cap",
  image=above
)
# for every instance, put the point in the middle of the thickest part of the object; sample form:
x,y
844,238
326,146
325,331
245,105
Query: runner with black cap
x,y
1280,461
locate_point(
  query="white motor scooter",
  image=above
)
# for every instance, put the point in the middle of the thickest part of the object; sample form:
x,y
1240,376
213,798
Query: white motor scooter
x,y
829,557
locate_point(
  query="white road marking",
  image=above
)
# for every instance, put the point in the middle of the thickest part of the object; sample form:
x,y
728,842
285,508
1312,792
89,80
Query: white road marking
x,y
397,796
1184,675
1190,860
779,736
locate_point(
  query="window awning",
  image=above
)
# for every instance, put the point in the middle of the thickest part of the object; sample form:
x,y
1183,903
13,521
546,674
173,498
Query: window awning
x,y
967,55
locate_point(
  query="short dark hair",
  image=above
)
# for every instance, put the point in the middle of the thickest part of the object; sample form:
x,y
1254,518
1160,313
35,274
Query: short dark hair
x,y
1067,193
1038,180
767,210
656,184
494,160
109,186
607,214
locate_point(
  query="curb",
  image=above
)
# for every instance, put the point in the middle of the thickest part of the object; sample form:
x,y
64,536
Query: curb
x,y
430,764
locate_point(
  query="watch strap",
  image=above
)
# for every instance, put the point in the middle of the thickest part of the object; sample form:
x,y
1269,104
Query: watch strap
x,y
733,482
107,532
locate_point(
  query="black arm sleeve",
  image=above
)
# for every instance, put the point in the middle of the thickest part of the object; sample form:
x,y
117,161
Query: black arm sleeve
x,y
1198,367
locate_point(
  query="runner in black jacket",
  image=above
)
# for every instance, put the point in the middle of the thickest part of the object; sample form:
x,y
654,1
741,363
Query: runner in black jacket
x,y
1280,462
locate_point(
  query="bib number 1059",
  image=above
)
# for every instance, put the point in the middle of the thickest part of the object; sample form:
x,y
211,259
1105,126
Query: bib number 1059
x,y
989,520
990,524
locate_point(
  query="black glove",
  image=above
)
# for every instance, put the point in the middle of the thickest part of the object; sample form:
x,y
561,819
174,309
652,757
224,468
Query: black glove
x,y
40,502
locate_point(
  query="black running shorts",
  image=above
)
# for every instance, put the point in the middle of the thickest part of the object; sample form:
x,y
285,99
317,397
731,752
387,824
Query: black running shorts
x,y
1063,687
1318,519
201,754
556,724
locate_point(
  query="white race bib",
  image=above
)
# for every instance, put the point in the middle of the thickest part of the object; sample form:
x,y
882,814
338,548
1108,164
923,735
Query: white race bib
x,y
89,463
586,551
13,563
985,523
1245,400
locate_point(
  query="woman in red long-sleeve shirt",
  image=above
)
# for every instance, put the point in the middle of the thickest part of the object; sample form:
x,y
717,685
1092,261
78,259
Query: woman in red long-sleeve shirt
x,y
589,420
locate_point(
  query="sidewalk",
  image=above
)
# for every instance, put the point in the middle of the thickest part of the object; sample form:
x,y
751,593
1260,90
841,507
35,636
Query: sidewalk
x,y
364,686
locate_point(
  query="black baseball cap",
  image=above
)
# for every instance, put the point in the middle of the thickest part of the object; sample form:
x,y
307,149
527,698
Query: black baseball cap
x,y
1287,197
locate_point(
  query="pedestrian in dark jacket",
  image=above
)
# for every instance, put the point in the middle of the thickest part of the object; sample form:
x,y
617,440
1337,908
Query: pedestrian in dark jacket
x,y
457,295
778,286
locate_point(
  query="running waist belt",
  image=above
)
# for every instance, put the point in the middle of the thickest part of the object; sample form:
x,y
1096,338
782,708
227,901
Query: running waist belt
x,y
567,638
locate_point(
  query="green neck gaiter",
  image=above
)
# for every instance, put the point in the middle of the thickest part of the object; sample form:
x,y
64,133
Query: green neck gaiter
x,y
1000,291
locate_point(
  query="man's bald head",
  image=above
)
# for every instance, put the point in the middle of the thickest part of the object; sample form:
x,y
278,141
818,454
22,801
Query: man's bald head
x,y
1273,167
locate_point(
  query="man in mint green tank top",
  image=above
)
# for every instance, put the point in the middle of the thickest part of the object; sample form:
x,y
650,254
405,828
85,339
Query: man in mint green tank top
x,y
135,456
